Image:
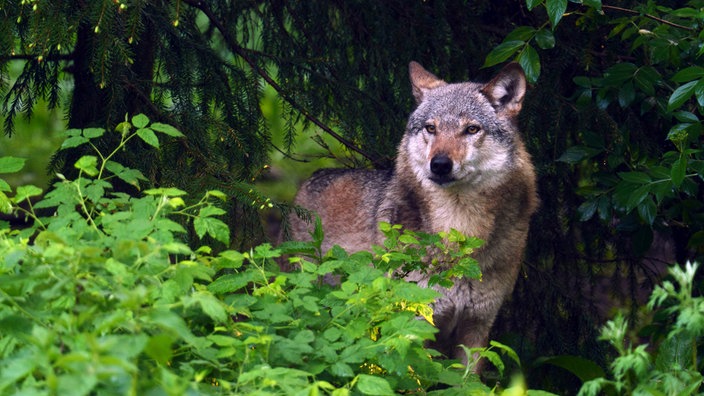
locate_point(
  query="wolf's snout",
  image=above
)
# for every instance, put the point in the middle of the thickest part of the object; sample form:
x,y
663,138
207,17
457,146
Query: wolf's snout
x,y
441,165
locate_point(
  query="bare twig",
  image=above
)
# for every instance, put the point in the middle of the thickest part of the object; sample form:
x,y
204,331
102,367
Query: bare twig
x,y
653,17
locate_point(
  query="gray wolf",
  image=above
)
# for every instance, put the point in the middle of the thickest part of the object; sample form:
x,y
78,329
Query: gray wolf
x,y
461,164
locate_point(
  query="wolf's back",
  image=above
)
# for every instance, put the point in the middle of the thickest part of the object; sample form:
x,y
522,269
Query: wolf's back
x,y
347,202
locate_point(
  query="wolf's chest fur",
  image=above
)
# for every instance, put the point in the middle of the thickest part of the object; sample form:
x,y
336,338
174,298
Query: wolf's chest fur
x,y
461,165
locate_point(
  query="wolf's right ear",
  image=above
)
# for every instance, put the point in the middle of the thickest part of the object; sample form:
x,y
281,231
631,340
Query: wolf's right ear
x,y
422,80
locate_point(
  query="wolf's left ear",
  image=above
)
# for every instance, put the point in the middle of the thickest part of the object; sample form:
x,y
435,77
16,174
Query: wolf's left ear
x,y
422,81
507,89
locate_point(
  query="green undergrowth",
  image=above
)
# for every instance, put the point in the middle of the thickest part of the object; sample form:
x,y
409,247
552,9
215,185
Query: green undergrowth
x,y
101,295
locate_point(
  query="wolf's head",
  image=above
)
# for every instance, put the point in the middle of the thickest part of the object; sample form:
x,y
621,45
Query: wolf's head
x,y
465,133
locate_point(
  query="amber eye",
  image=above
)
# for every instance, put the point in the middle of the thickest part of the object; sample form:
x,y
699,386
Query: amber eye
x,y
472,129
430,128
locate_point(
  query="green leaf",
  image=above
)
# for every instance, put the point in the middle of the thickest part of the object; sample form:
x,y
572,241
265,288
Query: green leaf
x,y
574,154
545,39
647,211
533,3
166,129
208,211
140,121
530,61
148,136
92,133
679,170
681,95
587,209
583,368
24,192
74,141
11,164
596,4
168,191
556,9
688,74
521,33
211,306
372,385
5,203
88,164
619,73
213,227
637,196
635,177
502,52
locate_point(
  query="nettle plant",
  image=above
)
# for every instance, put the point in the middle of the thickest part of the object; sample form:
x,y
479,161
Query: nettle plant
x,y
103,296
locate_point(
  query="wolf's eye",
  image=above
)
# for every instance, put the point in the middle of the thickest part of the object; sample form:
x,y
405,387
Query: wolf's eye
x,y
472,129
430,128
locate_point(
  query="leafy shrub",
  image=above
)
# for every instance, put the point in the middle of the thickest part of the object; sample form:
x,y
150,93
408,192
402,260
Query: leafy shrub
x,y
674,366
104,297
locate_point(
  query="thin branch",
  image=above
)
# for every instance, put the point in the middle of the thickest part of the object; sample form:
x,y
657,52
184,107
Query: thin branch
x,y
653,17
244,54
47,58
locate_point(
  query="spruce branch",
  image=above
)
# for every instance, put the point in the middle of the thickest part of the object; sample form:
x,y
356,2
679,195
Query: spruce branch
x,y
245,55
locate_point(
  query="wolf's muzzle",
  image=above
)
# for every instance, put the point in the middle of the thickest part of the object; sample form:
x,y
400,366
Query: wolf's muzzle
x,y
441,168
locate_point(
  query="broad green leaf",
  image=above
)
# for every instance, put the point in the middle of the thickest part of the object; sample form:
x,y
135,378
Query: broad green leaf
x,y
5,203
211,306
166,129
681,95
596,4
635,177
502,52
140,121
583,368
533,3
168,191
626,94
646,78
545,39
148,136
507,350
619,73
647,210
24,192
4,186
699,92
556,9
74,141
92,133
530,62
521,33
373,385
688,74
637,196
574,154
217,194
11,164
587,209
208,211
88,164
213,227
679,170
159,348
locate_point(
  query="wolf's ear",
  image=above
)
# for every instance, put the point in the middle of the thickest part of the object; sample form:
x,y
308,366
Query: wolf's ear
x,y
507,89
422,80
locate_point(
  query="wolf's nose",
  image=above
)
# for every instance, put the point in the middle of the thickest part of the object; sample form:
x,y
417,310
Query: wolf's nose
x,y
441,165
